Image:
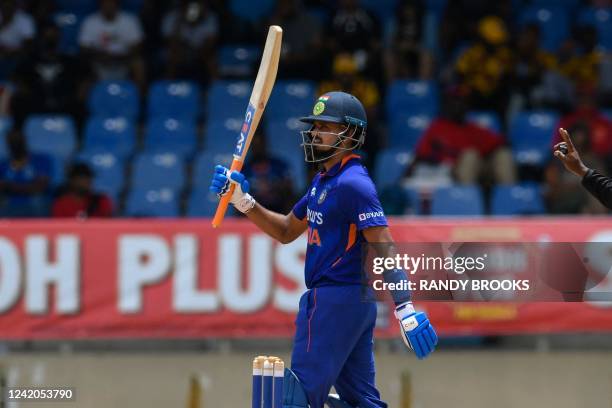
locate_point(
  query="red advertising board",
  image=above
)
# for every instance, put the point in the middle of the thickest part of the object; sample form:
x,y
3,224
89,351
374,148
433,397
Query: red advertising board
x,y
182,278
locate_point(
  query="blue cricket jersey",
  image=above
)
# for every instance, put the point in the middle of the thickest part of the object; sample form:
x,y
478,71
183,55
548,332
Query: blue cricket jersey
x,y
339,204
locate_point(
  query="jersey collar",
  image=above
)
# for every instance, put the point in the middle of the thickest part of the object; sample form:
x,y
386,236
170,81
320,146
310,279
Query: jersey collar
x,y
338,166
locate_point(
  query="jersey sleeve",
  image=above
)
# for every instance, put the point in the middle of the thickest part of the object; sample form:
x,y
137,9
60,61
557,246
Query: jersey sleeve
x,y
299,209
362,205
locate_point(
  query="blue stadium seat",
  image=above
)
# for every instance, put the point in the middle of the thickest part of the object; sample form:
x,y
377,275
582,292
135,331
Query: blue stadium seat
x,y
161,202
108,168
411,96
6,123
517,200
202,203
384,10
601,19
220,136
179,99
116,134
158,170
114,98
486,119
54,135
171,135
391,165
457,201
291,98
284,138
406,130
252,11
227,99
553,23
203,167
238,60
69,24
531,135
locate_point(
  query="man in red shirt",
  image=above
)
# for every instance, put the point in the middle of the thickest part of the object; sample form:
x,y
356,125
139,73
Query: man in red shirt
x,y
472,151
78,200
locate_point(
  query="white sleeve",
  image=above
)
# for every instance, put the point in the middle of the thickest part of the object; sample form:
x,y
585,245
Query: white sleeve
x,y
87,34
132,30
28,29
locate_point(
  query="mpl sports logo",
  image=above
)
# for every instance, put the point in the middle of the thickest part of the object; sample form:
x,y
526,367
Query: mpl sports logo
x,y
244,131
365,216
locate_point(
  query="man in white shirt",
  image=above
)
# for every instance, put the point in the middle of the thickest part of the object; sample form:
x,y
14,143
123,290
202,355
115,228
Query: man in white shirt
x,y
112,38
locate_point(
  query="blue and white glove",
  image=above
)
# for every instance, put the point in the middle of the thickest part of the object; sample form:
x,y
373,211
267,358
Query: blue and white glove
x,y
418,334
220,185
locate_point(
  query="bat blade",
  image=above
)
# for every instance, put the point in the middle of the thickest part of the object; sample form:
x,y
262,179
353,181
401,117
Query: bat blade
x,y
266,76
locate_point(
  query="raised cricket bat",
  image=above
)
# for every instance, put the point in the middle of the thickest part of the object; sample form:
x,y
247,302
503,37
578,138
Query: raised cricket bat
x,y
257,103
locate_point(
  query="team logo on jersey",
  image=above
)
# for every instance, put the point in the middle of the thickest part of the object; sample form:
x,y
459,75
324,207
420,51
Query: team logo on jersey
x,y
322,197
313,191
318,108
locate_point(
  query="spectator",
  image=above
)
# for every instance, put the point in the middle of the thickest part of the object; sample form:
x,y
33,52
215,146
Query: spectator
x,y
564,193
486,65
46,81
111,39
580,58
406,56
17,30
355,30
302,47
24,179
474,153
78,200
190,32
270,177
600,127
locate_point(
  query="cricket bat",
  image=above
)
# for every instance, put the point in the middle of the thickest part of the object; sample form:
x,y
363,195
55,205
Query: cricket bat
x,y
257,103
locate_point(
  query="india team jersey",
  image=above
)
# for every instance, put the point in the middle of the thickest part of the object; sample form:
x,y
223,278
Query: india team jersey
x,y
339,205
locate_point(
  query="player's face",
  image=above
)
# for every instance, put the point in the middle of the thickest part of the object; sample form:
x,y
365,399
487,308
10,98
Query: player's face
x,y
325,133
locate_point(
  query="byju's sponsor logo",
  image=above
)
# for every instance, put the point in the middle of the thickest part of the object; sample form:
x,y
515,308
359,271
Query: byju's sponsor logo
x,y
368,215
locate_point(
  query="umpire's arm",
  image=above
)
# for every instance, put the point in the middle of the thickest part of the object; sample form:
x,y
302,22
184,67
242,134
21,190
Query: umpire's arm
x,y
597,184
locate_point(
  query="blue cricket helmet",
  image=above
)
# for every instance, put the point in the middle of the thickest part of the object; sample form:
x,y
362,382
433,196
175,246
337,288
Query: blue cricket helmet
x,y
338,107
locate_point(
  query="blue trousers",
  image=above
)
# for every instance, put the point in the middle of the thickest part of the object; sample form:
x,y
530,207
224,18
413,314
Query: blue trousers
x,y
333,346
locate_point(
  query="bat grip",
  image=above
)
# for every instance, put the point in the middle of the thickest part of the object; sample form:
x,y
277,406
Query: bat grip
x,y
224,203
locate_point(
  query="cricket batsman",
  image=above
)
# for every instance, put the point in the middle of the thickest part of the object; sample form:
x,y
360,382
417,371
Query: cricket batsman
x,y
340,210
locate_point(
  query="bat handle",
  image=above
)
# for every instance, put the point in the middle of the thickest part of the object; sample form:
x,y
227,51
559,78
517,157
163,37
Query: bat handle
x,y
224,202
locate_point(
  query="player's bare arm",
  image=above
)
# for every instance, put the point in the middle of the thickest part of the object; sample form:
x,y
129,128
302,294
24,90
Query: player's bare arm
x,y
596,183
283,228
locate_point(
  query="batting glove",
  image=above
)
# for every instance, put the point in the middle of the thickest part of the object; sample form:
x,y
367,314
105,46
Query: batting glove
x,y
418,334
220,185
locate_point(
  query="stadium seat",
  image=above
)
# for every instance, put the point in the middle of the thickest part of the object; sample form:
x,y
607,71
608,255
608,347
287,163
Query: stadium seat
x,y
57,174
283,137
486,119
291,98
114,98
179,99
108,168
406,130
553,23
69,24
54,135
227,99
252,11
411,96
391,165
220,136
171,135
384,10
6,123
203,203
116,134
531,135
601,19
203,167
457,201
238,60
158,170
161,202
517,200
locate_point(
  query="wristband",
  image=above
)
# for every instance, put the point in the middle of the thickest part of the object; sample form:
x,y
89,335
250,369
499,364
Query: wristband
x,y
397,276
